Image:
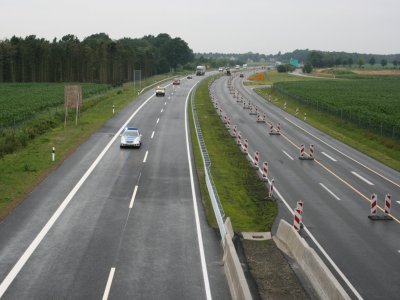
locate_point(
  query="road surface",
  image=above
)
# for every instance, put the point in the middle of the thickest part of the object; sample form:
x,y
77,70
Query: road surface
x,y
335,188
118,223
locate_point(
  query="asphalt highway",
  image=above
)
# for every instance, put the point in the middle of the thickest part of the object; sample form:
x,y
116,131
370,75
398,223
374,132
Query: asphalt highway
x,y
336,187
115,223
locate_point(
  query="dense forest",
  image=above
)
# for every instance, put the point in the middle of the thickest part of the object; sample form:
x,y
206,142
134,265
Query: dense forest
x,y
96,58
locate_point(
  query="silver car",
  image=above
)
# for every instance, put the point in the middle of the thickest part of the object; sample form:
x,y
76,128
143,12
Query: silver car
x,y
131,137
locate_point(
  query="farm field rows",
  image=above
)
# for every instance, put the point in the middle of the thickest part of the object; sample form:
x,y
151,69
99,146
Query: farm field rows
x,y
22,101
370,103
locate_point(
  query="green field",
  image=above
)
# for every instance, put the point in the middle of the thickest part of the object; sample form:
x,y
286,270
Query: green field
x,y
359,110
368,103
22,101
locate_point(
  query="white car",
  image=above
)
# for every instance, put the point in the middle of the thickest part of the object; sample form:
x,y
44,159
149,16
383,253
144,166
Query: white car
x,y
160,91
131,137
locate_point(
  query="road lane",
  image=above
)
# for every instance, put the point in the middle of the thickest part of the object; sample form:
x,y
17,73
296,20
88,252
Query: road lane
x,y
356,244
93,234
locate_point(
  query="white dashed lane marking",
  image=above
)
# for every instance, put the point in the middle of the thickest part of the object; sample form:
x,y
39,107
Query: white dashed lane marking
x,y
329,191
152,135
133,196
108,285
362,178
145,156
328,156
287,154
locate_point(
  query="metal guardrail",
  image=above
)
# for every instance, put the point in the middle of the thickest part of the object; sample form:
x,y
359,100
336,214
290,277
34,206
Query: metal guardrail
x,y
212,190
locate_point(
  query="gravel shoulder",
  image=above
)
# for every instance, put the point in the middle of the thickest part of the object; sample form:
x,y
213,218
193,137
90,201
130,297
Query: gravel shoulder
x,y
268,270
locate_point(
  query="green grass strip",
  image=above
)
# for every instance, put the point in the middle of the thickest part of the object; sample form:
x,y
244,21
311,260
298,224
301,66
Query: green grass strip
x,y
242,193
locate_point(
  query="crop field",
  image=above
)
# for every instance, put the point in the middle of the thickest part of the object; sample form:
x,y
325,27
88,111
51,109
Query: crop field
x,y
369,103
22,101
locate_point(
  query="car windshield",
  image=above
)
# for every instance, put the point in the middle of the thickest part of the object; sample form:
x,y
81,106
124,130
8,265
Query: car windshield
x,y
131,133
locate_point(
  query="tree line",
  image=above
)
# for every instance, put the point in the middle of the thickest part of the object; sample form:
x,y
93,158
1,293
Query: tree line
x,y
321,59
96,58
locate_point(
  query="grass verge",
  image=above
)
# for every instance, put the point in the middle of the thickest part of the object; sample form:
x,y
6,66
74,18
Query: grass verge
x,y
22,170
242,193
376,146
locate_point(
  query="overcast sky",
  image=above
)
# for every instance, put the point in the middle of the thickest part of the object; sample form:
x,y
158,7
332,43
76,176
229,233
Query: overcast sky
x,y
229,26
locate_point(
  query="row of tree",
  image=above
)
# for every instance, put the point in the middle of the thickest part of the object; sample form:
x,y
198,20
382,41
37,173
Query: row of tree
x,y
97,58
321,59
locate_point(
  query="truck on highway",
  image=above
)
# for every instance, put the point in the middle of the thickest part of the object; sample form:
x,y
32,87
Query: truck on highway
x,y
200,70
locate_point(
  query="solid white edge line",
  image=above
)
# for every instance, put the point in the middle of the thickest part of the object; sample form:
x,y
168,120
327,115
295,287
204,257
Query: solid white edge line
x,y
287,154
196,213
37,240
329,191
108,285
152,135
145,156
133,196
328,156
362,178
345,155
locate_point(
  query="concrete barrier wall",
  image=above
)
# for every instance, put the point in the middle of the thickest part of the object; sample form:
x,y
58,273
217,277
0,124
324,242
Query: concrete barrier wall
x,y
321,278
233,268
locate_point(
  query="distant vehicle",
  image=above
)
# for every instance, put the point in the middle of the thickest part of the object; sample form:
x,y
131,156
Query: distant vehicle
x,y
241,75
237,67
131,137
220,69
200,70
176,82
228,72
244,66
160,91
189,77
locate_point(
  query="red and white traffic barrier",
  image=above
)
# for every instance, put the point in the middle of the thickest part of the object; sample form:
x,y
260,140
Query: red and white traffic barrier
x,y
259,119
234,131
297,219
245,146
302,151
300,205
265,170
228,123
374,207
256,159
239,138
271,188
271,128
312,151
225,119
253,110
388,203
374,204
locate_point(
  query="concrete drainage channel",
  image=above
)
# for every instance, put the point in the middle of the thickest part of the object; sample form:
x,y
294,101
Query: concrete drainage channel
x,y
287,239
